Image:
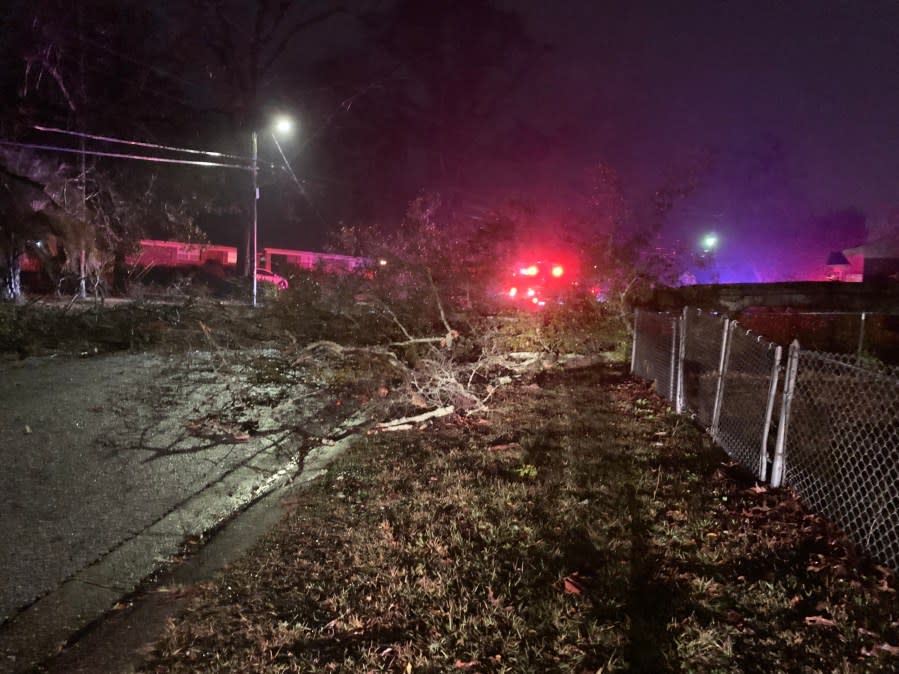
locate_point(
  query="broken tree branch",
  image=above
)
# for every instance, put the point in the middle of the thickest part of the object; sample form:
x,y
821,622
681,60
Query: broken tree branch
x,y
408,422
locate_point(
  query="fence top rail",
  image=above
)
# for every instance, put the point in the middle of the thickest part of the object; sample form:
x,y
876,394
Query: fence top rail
x,y
713,314
781,313
849,361
641,310
758,338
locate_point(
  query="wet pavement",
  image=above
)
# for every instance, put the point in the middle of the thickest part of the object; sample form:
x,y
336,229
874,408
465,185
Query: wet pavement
x,y
111,462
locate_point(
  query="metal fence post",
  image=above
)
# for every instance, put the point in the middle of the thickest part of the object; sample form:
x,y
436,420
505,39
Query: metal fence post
x,y
634,341
722,370
681,355
778,468
861,334
673,359
769,413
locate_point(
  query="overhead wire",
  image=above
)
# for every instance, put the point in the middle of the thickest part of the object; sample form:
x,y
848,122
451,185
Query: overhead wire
x,y
137,143
344,106
120,155
297,181
247,166
246,162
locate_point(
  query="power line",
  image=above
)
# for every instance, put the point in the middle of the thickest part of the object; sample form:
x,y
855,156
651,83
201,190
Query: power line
x,y
344,106
137,143
296,180
118,155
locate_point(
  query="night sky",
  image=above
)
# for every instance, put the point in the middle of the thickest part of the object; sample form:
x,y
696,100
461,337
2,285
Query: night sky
x,y
799,102
794,106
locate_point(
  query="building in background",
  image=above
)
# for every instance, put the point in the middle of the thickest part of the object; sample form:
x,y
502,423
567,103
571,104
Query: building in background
x,y
880,259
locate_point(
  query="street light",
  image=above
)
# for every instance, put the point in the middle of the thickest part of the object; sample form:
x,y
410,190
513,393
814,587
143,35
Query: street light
x,y
709,242
284,126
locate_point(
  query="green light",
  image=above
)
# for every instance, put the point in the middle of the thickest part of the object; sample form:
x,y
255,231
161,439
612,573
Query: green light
x,y
710,241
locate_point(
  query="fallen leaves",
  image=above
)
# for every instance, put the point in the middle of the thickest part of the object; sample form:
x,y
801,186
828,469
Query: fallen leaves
x,y
572,585
454,490
504,446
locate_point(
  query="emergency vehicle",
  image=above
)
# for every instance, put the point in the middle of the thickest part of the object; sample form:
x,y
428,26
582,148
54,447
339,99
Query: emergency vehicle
x,y
536,284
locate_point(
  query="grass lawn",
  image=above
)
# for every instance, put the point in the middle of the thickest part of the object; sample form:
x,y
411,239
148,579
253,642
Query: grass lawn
x,y
578,527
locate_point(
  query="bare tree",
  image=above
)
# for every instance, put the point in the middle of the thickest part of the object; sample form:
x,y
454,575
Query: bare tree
x,y
30,213
429,278
626,247
92,66
250,44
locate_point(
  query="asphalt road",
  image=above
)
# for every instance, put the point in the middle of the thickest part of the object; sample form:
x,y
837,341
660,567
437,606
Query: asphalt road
x,y
93,451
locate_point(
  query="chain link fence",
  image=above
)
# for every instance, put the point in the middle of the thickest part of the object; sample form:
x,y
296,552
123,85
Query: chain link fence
x,y
869,334
837,427
747,398
701,363
654,351
841,451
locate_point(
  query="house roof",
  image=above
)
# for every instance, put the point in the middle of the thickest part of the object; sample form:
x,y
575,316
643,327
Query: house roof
x,y
836,257
887,246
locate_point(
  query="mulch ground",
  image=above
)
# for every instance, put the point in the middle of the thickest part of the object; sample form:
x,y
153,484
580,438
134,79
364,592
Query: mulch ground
x,y
579,526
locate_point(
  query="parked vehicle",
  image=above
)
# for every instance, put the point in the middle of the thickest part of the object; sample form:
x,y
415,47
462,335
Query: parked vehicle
x,y
271,277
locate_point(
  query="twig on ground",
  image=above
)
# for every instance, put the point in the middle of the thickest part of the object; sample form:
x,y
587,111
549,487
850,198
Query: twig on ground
x,y
658,482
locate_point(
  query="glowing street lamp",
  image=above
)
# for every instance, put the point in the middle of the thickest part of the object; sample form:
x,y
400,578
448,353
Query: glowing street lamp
x,y
284,126
709,242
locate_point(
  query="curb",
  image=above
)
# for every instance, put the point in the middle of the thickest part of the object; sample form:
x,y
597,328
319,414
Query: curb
x,y
44,628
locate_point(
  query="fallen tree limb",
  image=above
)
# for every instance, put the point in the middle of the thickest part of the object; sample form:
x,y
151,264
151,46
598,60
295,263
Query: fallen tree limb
x,y
450,333
420,340
407,422
526,355
337,350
